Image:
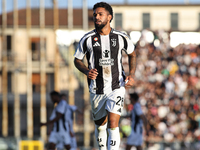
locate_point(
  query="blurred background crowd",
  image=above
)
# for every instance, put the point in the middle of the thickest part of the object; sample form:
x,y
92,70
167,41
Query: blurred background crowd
x,y
167,80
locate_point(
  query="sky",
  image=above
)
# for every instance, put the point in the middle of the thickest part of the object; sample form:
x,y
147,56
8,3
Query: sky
x,y
78,3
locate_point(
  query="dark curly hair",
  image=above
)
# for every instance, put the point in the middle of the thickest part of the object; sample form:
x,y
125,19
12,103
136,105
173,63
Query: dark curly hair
x,y
106,6
134,96
55,93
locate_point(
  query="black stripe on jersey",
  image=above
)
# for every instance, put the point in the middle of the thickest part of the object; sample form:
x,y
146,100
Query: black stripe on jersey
x,y
85,45
125,42
57,126
114,49
97,55
63,122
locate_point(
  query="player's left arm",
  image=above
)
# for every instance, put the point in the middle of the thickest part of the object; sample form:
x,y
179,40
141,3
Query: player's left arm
x,y
132,67
79,111
50,129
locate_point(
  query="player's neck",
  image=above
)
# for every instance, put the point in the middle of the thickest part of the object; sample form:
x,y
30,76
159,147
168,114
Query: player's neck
x,y
105,31
59,100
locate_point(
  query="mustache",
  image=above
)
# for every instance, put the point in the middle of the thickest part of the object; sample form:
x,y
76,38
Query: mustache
x,y
97,20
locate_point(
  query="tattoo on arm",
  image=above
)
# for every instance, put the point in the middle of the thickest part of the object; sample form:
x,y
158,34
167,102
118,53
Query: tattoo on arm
x,y
132,63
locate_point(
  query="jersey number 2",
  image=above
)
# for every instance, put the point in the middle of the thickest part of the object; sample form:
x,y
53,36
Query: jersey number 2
x,y
120,101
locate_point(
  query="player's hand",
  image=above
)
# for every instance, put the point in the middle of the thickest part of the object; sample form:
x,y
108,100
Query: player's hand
x,y
129,81
72,134
92,74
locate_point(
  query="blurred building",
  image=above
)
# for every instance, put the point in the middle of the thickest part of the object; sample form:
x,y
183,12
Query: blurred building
x,y
15,42
19,52
184,17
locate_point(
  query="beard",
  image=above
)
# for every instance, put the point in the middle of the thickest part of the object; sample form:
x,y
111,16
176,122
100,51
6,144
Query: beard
x,y
100,26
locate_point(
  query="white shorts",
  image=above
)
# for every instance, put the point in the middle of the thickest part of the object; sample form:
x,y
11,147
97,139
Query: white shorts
x,y
112,102
59,138
135,138
73,144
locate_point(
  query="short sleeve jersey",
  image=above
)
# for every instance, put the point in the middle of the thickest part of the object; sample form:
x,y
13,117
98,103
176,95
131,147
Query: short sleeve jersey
x,y
62,124
104,52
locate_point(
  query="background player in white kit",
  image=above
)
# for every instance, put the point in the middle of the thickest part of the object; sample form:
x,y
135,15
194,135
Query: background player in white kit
x,y
60,133
137,121
106,78
70,114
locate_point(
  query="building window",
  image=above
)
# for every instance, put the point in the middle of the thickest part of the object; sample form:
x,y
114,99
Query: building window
x,y
9,82
9,42
36,82
174,21
9,47
35,47
50,82
118,21
146,20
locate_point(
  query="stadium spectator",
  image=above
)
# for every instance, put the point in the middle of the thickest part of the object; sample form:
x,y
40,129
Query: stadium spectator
x,y
168,81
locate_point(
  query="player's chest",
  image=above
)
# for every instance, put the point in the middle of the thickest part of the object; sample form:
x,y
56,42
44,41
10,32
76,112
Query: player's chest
x,y
104,46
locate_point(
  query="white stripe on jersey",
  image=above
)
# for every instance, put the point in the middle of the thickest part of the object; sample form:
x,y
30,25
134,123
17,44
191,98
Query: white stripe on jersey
x,y
106,68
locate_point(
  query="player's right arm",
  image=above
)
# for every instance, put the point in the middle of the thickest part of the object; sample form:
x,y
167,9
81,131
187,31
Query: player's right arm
x,y
58,116
79,55
91,74
81,66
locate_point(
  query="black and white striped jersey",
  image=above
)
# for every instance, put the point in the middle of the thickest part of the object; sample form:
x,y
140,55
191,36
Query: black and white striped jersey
x,y
104,52
61,125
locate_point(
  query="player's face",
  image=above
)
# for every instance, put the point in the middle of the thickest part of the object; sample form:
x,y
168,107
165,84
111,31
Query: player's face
x,y
133,101
101,17
54,98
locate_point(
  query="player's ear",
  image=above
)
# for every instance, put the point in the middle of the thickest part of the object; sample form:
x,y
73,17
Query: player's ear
x,y
109,17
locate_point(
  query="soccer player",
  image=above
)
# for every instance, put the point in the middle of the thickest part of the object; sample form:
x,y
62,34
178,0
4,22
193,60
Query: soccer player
x,y
60,133
70,114
106,79
137,119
